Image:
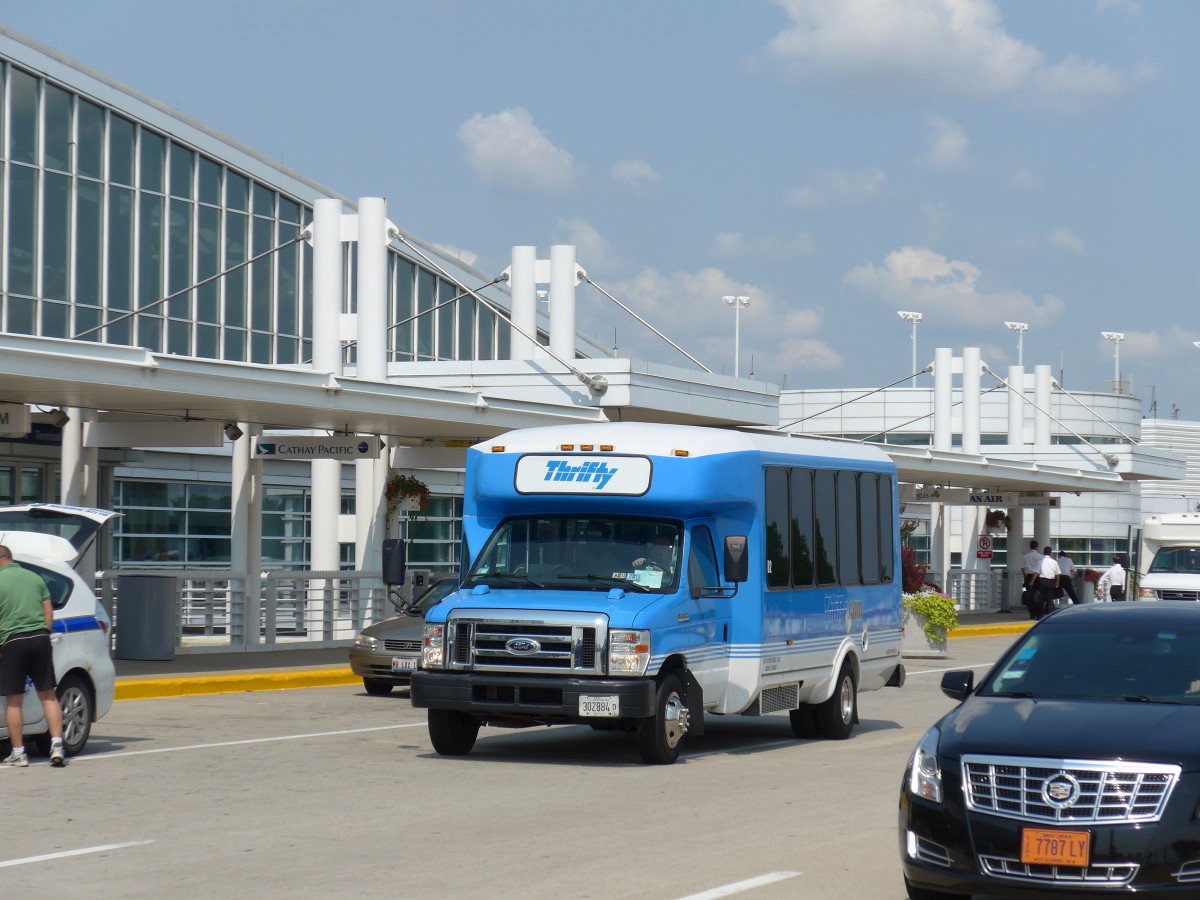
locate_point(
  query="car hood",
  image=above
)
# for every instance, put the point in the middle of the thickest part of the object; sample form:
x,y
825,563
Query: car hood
x,y
397,628
1075,729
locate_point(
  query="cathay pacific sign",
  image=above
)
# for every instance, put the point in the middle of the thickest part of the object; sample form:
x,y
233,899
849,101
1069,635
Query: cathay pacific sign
x,y
627,476
341,447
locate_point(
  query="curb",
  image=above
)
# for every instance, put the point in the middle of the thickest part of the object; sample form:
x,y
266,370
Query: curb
x,y
972,631
191,685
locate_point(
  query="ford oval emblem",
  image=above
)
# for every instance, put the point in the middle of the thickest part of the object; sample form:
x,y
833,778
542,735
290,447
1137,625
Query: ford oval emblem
x,y
522,646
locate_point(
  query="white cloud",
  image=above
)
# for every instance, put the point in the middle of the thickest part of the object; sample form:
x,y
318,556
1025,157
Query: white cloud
x,y
920,279
1025,180
931,47
1153,345
834,187
508,151
458,253
1067,240
635,173
947,144
592,250
734,245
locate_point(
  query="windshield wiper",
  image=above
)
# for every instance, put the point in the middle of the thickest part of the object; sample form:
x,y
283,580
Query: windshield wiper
x,y
1026,694
608,579
513,576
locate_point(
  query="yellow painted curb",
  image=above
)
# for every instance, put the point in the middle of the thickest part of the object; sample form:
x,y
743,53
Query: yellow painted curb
x,y
971,631
191,685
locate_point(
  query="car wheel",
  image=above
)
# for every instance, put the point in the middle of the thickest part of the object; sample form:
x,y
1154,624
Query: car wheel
x,y
804,722
920,893
453,733
75,697
659,736
377,688
835,717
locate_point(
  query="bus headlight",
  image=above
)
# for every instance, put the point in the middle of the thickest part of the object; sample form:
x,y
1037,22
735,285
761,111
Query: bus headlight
x,y
432,646
926,778
628,652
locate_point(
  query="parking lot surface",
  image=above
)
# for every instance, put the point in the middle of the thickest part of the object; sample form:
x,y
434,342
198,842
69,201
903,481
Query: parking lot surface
x,y
329,792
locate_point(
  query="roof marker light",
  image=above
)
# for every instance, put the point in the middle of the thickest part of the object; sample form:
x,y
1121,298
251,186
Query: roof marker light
x,y
497,448
681,453
566,447
606,448
587,447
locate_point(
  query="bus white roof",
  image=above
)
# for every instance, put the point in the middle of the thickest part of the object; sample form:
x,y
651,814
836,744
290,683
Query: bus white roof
x,y
652,439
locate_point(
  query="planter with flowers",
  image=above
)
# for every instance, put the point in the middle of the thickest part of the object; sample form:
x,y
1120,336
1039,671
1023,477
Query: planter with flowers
x,y
406,493
928,618
997,520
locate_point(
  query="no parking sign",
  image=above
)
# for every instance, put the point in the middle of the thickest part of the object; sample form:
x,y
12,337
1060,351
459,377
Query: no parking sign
x,y
983,549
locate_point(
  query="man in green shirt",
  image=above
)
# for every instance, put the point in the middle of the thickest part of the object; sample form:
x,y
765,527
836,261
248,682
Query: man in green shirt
x,y
26,621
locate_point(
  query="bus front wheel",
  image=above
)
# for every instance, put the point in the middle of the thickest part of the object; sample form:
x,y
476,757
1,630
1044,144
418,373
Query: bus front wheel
x,y
659,736
452,732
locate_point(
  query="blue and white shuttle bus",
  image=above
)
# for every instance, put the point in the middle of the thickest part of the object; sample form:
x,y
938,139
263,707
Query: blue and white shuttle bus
x,y
640,577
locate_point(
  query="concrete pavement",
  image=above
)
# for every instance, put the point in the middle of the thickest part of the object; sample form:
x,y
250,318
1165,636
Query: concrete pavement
x,y
237,672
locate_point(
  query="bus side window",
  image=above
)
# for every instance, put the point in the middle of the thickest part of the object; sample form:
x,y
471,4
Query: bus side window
x,y
702,562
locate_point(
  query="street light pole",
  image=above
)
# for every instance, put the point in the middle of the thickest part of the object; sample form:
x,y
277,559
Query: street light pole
x,y
1116,337
737,303
915,319
1020,328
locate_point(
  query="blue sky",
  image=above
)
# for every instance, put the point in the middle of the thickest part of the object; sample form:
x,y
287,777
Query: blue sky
x,y
834,160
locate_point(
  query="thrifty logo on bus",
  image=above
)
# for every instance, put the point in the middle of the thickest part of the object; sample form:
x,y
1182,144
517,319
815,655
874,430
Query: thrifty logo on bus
x,y
598,473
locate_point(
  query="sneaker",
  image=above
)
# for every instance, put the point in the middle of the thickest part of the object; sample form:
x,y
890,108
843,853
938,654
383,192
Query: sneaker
x,y
20,760
57,757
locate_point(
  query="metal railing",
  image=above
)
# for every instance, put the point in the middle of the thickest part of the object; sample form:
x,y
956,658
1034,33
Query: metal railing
x,y
974,591
289,609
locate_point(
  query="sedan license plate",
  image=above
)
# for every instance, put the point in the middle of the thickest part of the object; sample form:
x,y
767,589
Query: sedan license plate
x,y
403,663
1044,847
604,707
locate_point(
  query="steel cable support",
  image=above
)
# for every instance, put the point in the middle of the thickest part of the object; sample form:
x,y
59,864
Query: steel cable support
x,y
647,324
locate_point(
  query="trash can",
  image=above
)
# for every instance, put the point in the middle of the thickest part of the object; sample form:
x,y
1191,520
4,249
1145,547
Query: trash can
x,y
147,616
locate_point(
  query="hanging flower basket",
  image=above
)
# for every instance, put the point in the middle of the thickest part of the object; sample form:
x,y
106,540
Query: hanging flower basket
x,y
406,493
997,519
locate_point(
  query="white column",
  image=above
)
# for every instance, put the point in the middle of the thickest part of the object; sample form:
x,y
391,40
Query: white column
x,y
1041,527
562,301
372,289
74,475
970,399
1042,381
939,550
1016,551
1016,406
522,285
943,398
246,533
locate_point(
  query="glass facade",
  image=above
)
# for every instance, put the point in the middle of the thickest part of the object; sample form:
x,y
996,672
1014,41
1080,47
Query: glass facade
x,y
115,229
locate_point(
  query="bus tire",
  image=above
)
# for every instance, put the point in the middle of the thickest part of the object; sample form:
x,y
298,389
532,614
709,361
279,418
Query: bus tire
x,y
836,716
660,735
452,732
804,722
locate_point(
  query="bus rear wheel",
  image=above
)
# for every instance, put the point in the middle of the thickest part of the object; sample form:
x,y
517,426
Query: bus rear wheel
x,y
837,715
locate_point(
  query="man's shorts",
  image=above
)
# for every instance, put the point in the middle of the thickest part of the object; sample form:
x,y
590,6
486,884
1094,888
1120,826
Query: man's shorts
x,y
28,653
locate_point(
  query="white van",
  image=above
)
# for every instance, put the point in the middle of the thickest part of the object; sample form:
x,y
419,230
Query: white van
x,y
49,538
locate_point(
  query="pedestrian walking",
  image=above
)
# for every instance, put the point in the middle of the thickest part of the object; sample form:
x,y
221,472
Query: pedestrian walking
x,y
26,622
1047,583
1066,567
1112,583
1031,564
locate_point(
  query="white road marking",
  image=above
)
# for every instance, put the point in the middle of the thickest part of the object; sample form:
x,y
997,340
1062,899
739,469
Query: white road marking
x,y
65,853
263,740
739,886
952,668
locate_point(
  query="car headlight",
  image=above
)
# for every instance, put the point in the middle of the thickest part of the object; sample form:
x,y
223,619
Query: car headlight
x,y
925,781
366,642
628,652
433,646
1147,593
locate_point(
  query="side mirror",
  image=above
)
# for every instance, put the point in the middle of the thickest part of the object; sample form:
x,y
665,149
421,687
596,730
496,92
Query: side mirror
x,y
393,562
737,561
958,685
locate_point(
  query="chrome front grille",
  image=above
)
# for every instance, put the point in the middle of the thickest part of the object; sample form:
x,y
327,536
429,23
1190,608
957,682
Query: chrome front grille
x,y
525,641
395,646
1179,595
1106,875
1068,791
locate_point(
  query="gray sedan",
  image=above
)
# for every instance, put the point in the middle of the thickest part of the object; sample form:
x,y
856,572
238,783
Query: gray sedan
x,y
386,654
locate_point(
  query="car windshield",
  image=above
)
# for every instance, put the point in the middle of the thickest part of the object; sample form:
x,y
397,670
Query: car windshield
x,y
581,553
1110,661
1176,559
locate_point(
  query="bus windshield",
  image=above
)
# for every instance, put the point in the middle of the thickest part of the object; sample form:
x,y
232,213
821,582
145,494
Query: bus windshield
x,y
581,552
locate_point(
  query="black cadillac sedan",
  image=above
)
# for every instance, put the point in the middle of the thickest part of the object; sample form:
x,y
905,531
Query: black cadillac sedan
x,y
1071,770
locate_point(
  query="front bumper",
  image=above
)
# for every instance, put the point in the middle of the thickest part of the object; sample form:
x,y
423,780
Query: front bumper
x,y
533,698
378,666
